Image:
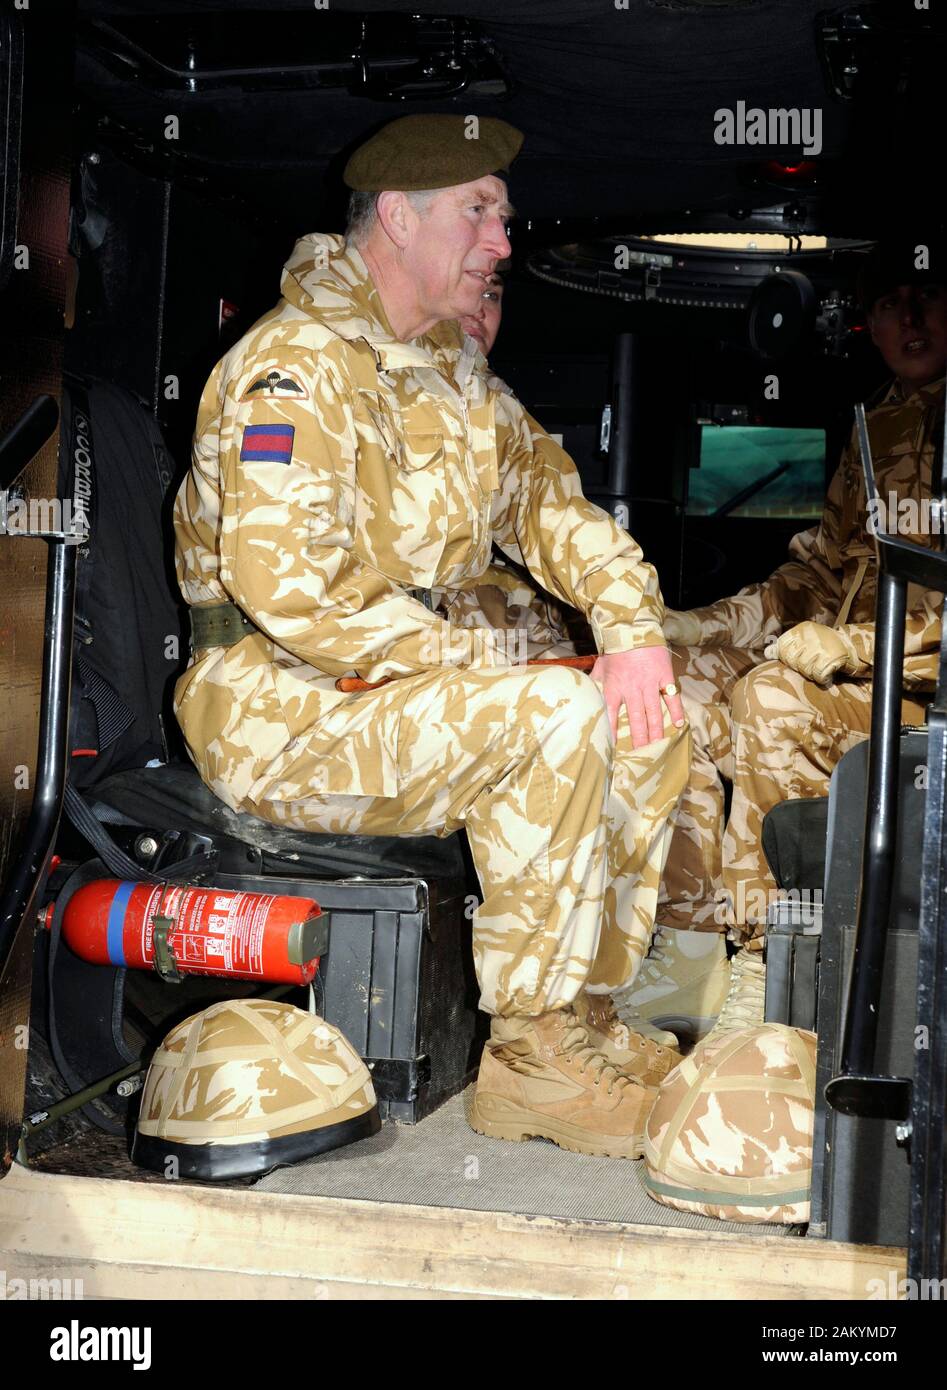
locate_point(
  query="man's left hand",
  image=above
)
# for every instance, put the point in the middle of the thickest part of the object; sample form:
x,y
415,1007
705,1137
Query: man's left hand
x,y
639,679
815,651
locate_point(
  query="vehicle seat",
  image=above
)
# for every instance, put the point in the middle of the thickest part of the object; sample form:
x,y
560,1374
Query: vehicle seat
x,y
172,798
129,600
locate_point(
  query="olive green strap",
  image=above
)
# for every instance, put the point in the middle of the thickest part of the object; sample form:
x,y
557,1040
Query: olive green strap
x,y
218,625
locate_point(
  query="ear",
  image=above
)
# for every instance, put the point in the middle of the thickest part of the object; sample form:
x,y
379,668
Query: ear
x,y
872,330
392,210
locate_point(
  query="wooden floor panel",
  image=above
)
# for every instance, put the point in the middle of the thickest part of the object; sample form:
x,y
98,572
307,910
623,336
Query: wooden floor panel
x,y
136,1240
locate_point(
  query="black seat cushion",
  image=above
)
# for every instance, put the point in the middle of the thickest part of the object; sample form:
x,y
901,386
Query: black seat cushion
x,y
173,797
794,839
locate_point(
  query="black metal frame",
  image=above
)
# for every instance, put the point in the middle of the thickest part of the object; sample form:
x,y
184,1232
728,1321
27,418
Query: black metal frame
x,y
28,871
384,57
858,1090
928,1241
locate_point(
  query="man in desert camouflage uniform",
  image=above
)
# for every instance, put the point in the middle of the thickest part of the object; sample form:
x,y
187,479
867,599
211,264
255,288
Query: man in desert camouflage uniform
x,y
776,728
350,457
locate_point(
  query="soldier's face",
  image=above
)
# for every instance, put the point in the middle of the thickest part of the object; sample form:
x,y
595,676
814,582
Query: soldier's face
x,y
909,328
454,245
484,325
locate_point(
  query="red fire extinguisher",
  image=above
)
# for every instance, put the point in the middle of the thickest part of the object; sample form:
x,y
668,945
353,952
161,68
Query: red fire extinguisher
x,y
181,931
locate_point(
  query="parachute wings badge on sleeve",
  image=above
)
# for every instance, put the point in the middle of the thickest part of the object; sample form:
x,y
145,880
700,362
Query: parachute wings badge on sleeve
x,y
276,385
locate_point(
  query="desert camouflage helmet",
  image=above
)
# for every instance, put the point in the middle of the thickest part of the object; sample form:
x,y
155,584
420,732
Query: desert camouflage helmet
x,y
730,1134
249,1085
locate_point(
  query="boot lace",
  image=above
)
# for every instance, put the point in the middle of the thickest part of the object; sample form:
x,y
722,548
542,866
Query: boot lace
x,y
743,1007
576,1044
624,1036
659,952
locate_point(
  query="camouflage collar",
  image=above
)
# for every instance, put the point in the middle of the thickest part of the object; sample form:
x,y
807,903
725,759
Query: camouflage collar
x,y
920,395
329,280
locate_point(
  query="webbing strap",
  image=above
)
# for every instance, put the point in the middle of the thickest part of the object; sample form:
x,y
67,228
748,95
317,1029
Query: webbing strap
x,y
120,863
219,625
725,1196
846,607
112,714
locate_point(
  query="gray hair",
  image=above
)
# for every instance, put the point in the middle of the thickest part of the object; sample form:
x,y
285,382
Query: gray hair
x,y
363,212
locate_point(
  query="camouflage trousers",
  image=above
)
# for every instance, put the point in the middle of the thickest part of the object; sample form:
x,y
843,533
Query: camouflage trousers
x,y
774,736
568,830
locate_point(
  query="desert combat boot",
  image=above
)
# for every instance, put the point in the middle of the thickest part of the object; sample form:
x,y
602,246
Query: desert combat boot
x,y
542,1078
628,1051
680,988
745,1000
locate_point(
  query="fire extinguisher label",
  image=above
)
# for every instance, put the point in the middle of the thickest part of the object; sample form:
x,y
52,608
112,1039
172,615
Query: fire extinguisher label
x,y
222,931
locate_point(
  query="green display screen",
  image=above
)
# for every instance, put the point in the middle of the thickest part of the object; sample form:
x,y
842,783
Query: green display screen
x,y
734,457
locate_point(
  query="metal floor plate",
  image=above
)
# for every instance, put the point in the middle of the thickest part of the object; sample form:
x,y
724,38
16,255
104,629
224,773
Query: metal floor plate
x,y
442,1162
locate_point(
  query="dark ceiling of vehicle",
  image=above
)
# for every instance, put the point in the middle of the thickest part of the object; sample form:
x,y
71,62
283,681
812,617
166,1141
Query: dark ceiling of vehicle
x,y
618,104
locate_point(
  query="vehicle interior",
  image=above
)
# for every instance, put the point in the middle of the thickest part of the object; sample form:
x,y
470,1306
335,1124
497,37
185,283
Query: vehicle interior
x,y
682,314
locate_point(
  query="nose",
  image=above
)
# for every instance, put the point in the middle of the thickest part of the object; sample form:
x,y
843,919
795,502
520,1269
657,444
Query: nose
x,y
496,241
912,313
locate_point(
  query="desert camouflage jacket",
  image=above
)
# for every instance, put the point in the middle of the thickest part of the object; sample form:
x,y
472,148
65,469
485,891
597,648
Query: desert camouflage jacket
x,y
335,469
832,575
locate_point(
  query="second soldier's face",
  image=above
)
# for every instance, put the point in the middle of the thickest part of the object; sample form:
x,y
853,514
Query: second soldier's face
x,y
484,325
909,328
454,246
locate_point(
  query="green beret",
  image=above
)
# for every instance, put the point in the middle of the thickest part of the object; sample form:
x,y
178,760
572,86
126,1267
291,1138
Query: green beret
x,y
436,151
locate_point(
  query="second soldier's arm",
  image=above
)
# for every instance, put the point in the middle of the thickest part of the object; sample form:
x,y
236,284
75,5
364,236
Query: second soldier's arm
x,y
806,588
819,652
922,630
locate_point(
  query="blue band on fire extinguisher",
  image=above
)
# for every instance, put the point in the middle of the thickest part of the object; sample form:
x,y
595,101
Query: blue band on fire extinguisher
x,y
116,923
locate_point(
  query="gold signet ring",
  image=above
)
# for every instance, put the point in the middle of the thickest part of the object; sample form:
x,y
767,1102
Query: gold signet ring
x,y
670,690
